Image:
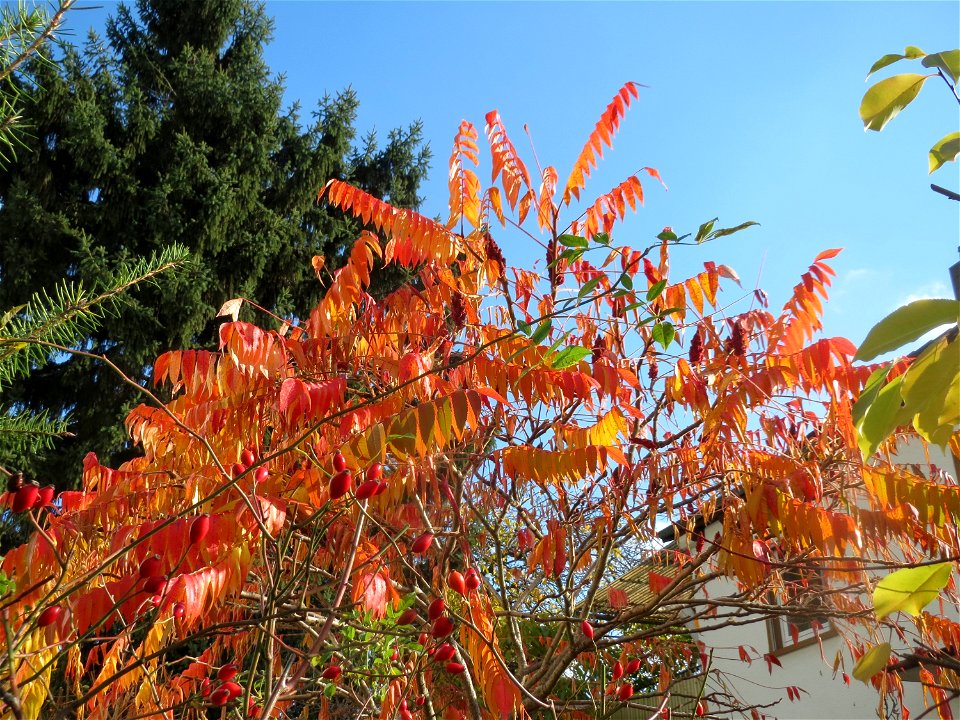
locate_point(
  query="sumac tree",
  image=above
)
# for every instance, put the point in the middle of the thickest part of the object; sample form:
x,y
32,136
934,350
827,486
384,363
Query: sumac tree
x,y
413,507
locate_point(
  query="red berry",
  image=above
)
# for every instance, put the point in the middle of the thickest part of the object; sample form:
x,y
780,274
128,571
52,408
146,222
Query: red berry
x,y
340,484
375,471
49,616
381,488
421,700
455,668
155,585
179,610
25,498
422,639
237,469
394,655
617,671
228,672
587,629
339,462
247,457
199,529
233,688
472,580
262,474
367,489
151,566
436,609
205,687
422,544
220,697
14,482
44,496
625,692
633,666
456,582
442,627
701,709
332,672
407,617
444,652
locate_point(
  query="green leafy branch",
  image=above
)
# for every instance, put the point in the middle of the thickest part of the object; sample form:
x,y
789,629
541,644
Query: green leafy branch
x,y
884,100
65,319
23,32
924,396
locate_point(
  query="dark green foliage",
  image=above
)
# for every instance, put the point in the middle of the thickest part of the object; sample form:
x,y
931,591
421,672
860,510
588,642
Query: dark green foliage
x,y
172,130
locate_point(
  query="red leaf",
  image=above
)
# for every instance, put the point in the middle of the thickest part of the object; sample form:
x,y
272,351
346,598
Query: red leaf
x,y
658,582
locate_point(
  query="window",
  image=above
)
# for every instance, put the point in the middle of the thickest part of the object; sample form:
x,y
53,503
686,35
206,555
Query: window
x,y
804,592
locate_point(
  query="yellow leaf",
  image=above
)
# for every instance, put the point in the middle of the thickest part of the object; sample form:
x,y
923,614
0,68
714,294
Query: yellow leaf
x,y
872,662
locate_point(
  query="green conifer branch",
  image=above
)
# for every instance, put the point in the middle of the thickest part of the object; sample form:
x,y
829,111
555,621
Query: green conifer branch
x,y
71,314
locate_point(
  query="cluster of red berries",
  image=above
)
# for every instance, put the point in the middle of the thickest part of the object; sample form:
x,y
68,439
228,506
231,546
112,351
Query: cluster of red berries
x,y
28,496
342,480
227,689
247,458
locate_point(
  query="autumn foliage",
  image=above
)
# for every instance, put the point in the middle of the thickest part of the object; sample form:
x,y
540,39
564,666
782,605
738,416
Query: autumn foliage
x,y
516,433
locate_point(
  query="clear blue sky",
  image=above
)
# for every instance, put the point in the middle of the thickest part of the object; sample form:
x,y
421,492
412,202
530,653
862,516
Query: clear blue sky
x,y
750,114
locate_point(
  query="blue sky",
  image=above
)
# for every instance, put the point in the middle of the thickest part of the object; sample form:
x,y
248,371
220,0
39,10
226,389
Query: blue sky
x,y
750,114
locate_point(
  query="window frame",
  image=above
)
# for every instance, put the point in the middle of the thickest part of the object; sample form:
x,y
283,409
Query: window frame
x,y
779,637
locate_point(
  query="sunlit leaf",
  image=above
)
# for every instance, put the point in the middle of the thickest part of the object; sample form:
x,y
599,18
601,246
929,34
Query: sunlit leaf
x,y
909,590
911,53
663,333
540,334
887,98
948,61
655,290
906,324
945,150
704,230
568,357
573,241
872,662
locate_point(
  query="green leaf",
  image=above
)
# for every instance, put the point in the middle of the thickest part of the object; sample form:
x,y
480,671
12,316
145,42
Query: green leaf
x,y
945,150
669,311
868,395
573,241
883,101
930,390
911,53
882,417
906,324
569,356
523,327
626,281
602,238
540,334
589,286
654,292
722,232
571,255
948,61
872,662
704,230
909,590
668,235
663,333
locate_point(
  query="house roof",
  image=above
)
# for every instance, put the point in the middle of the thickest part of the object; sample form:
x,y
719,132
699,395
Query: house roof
x,y
635,588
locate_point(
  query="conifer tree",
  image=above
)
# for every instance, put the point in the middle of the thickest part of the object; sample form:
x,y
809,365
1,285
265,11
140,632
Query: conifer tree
x,y
171,129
